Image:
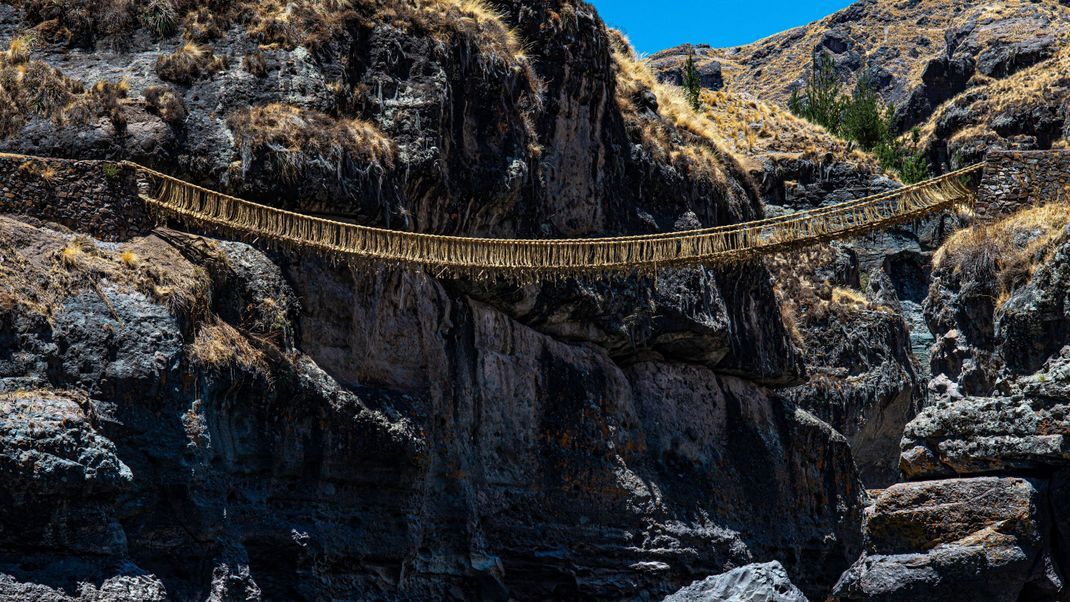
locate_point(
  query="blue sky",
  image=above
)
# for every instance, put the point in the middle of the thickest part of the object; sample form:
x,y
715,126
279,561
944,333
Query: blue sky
x,y
655,25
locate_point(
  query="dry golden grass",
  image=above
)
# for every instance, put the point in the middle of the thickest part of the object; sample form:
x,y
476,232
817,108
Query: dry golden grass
x,y
297,139
475,20
767,68
202,25
18,50
189,63
130,259
62,265
754,128
849,296
39,169
290,23
104,99
1043,85
806,301
1007,251
312,23
166,103
219,346
676,134
30,88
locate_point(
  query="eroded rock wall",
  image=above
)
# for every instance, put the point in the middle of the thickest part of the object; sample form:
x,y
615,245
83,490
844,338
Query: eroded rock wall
x,y
277,427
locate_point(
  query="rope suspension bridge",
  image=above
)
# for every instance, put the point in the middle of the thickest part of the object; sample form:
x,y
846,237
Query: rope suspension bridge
x,y
536,259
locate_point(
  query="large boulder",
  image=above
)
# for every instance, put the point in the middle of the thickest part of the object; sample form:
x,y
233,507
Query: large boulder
x,y
752,583
959,539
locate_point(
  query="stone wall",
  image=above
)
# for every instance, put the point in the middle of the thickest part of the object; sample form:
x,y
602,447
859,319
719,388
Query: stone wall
x,y
1016,179
95,197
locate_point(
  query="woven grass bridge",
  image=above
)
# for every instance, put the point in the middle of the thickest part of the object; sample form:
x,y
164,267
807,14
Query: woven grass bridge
x,y
527,259
201,207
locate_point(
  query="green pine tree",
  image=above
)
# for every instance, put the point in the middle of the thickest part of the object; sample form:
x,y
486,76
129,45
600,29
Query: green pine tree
x,y
861,118
820,102
692,85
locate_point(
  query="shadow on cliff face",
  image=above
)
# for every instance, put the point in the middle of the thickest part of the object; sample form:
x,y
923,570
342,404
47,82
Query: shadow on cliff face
x,y
392,436
469,455
584,478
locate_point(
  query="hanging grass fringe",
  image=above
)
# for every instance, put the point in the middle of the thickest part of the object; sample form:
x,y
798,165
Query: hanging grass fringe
x,y
531,260
527,261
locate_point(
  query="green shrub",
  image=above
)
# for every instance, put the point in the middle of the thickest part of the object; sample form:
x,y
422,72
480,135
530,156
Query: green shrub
x,y
862,118
866,119
821,102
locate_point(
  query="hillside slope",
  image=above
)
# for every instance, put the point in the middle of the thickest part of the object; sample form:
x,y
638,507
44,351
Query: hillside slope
x,y
919,53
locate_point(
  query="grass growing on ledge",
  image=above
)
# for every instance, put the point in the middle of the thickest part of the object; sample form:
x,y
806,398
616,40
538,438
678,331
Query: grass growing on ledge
x,y
294,140
669,128
219,346
164,102
30,88
190,63
1007,251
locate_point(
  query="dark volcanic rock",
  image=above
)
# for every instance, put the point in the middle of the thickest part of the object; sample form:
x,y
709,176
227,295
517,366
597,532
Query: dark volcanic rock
x,y
752,583
295,429
962,539
998,407
486,458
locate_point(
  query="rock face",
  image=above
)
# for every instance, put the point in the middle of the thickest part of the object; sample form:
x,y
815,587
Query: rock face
x,y
670,66
958,539
752,583
973,77
863,379
548,447
919,54
998,407
233,425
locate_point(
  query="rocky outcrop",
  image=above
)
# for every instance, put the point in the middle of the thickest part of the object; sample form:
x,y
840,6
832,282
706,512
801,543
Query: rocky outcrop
x,y
863,378
918,54
997,408
670,66
960,539
294,429
444,408
752,583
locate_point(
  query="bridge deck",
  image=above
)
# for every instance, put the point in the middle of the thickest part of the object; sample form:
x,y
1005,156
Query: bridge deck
x,y
707,246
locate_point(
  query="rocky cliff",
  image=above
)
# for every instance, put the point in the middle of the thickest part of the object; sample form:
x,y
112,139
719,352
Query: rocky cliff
x,y
981,514
188,418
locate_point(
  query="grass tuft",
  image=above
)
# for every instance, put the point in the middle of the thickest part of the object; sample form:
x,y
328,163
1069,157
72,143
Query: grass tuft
x,y
295,140
164,102
190,63
1007,251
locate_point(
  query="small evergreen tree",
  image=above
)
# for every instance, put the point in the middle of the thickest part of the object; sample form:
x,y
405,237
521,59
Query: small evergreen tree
x,y
866,120
861,118
820,102
692,85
